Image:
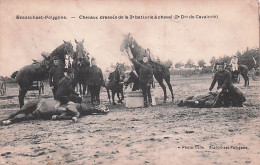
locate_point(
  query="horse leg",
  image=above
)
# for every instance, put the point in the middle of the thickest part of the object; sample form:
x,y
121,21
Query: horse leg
x,y
113,97
160,81
84,88
80,90
119,100
246,79
108,94
122,93
23,114
22,93
167,79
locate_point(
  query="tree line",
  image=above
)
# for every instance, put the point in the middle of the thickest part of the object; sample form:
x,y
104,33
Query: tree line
x,y
249,57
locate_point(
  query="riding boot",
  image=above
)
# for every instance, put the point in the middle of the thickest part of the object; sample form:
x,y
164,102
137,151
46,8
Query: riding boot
x,y
145,102
92,100
150,102
98,100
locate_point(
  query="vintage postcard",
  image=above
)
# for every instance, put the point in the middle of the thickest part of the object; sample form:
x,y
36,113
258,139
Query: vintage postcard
x,y
129,82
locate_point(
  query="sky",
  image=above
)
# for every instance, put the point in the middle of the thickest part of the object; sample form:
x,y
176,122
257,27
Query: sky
x,y
235,29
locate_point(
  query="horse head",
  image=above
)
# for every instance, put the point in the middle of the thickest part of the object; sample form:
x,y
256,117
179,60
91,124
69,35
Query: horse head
x,y
60,52
120,72
81,55
128,42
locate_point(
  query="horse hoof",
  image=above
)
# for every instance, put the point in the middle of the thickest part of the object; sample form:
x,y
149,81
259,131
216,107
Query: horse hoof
x,y
6,122
74,119
54,117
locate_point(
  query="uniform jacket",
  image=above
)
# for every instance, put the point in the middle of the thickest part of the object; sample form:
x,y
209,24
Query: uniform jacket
x,y
65,88
56,74
223,78
145,72
95,76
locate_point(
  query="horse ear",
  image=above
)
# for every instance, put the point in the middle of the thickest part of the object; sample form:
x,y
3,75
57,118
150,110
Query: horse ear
x,y
76,41
83,40
64,41
44,56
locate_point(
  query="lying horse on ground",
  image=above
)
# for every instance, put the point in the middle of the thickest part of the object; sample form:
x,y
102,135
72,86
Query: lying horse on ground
x,y
39,71
161,71
115,84
45,109
214,100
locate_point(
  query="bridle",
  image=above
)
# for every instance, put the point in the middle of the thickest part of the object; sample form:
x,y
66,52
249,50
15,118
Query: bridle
x,y
66,50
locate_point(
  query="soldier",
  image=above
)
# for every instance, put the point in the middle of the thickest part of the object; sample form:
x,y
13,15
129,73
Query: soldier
x,y
65,93
95,81
56,74
145,79
223,77
234,63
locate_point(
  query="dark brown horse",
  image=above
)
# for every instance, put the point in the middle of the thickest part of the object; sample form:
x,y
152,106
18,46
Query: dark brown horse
x,y
80,66
243,70
39,71
115,83
161,72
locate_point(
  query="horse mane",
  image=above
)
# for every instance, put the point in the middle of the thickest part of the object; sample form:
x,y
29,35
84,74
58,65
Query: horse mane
x,y
56,52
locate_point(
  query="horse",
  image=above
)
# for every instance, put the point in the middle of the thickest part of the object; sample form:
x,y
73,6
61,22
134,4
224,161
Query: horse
x,y
115,84
243,70
80,67
132,77
46,109
161,71
38,71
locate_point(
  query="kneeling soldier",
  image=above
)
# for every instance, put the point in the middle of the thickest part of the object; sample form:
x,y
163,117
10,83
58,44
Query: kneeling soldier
x,y
223,77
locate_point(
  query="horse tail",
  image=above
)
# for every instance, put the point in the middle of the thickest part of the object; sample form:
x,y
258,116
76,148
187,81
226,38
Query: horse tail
x,y
14,74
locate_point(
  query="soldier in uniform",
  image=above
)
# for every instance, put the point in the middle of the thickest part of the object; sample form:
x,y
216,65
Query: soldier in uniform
x,y
145,79
234,63
56,74
223,77
95,81
65,92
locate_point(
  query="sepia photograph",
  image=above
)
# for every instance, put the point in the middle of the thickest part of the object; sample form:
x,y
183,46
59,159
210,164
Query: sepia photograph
x,y
129,82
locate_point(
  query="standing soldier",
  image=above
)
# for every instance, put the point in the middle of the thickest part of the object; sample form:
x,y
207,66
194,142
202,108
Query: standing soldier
x,y
234,63
145,79
95,81
56,74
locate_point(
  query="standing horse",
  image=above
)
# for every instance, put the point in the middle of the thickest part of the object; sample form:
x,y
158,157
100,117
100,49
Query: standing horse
x,y
161,72
39,71
115,84
243,70
80,66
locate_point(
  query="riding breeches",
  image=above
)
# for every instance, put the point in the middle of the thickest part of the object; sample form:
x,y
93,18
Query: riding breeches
x,y
146,92
234,67
94,92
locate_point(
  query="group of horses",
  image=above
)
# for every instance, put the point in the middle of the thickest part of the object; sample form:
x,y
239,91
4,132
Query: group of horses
x,y
39,70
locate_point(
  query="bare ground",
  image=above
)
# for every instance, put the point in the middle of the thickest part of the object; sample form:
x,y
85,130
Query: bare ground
x,y
163,134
